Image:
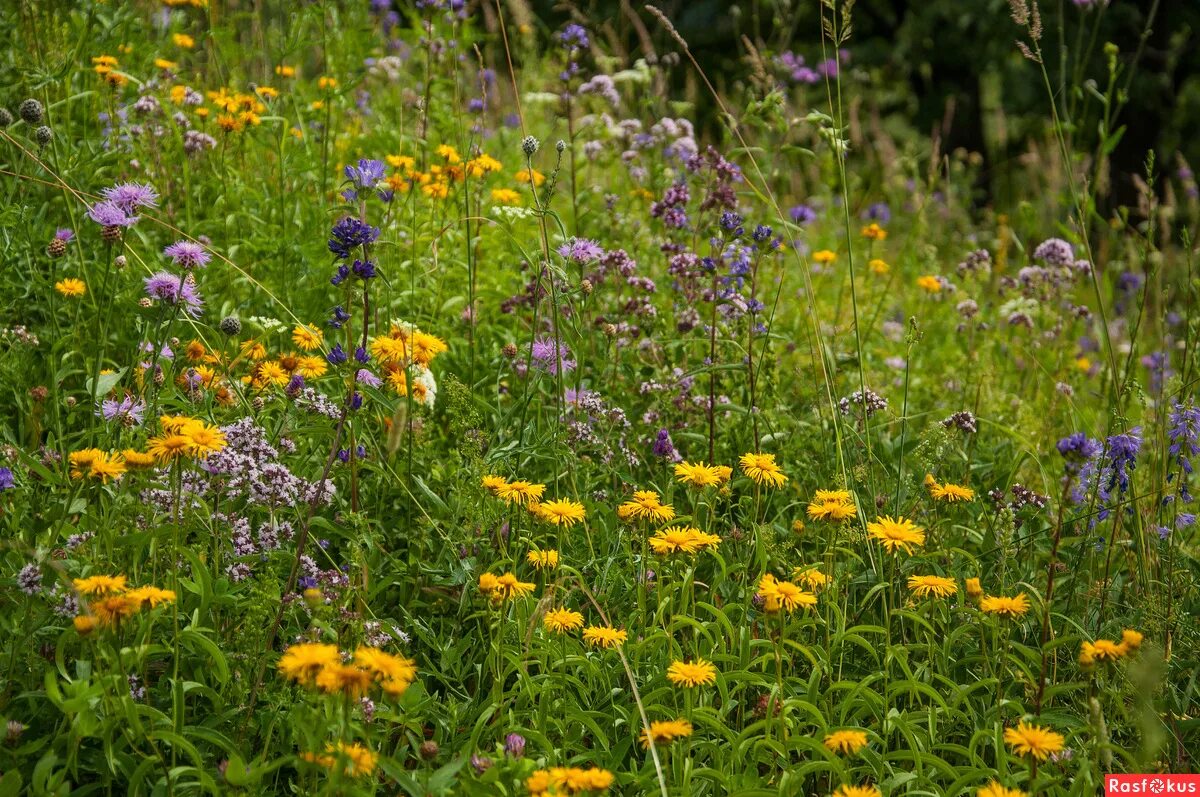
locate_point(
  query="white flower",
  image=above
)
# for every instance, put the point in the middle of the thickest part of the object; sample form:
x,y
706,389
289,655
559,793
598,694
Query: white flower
x,y
425,378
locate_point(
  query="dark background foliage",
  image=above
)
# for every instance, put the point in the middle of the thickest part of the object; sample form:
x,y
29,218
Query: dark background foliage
x,y
950,53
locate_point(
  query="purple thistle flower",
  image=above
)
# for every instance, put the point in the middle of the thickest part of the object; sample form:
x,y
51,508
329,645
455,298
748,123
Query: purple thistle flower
x,y
188,255
110,214
1055,251
581,250
63,234
131,196
128,411
365,377
167,287
551,357
514,745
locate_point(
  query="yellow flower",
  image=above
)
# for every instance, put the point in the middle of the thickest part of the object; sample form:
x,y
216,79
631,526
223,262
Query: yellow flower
x,y
601,636
482,165
857,791
344,679
504,587
505,196
100,585
846,742
283,70
152,596
666,731
112,610
542,560
896,533
84,624
425,347
302,662
682,539
562,620
1033,740
930,283
939,587
835,511
493,484
203,439
974,588
162,63
71,287
436,190
311,366
692,673
325,82
878,266
645,505
785,595
698,474
811,577
1131,639
169,447
1102,650
360,761
873,232
1005,607
824,256
307,336
448,153
393,673
761,468
562,512
183,40
106,468
253,349
523,176
994,789
138,460
567,780
951,492
401,162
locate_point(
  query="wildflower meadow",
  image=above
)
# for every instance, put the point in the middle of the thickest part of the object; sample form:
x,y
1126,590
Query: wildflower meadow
x,y
492,397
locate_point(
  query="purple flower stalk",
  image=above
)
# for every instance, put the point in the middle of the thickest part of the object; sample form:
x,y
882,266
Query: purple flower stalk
x,y
366,174
350,233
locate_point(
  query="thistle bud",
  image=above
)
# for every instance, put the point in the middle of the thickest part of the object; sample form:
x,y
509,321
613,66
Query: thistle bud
x,y
31,111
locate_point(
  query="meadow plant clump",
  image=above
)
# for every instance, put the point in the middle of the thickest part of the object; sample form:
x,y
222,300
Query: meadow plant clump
x,y
427,398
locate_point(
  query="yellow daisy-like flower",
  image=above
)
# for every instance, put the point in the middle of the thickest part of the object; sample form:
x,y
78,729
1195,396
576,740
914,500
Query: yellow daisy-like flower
x,y
833,511
1131,639
81,461
112,610
252,349
951,492
301,663
698,474
1101,650
873,232
811,577
425,347
878,266
525,175
896,533
359,761
666,731
761,468
822,496
824,256
344,679
865,790
84,624
561,512
847,742
505,196
929,283
106,468
311,366
785,595
1013,607
71,287
151,596
645,505
138,460
283,70
974,588
493,484
561,621
543,560
326,82
169,447
100,585
183,40
393,673
567,780
163,63
994,789
682,539
601,636
307,337
505,586
1033,740
691,674
939,587
203,439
